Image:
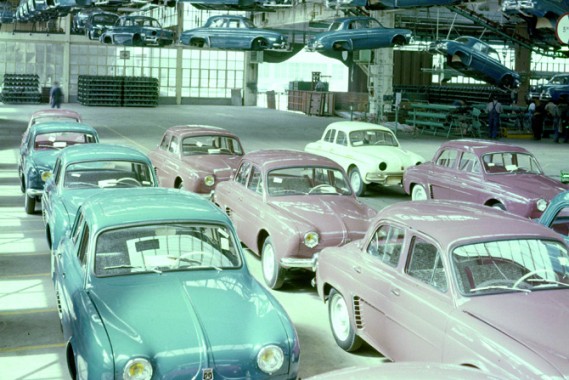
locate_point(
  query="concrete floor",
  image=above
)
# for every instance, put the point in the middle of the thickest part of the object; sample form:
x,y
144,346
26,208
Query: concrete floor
x,y
31,343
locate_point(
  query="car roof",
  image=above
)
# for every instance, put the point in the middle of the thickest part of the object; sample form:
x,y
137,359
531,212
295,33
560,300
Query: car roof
x,y
481,147
101,152
356,126
270,159
351,18
118,207
198,130
60,126
456,223
56,112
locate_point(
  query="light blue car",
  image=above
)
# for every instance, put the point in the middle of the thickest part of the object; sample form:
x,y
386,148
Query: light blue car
x,y
233,33
39,150
556,215
151,283
83,170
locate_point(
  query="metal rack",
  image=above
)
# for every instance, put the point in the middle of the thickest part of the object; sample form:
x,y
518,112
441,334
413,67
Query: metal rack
x,y
21,88
118,91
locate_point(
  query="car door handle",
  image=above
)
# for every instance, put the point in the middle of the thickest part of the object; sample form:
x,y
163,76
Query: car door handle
x,y
357,268
63,274
395,292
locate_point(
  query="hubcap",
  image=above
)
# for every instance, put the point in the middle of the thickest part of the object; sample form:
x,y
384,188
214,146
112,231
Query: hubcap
x,y
355,181
419,193
339,317
269,262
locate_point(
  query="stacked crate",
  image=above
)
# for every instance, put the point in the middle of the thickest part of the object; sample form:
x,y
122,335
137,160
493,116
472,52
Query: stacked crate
x,y
21,88
118,91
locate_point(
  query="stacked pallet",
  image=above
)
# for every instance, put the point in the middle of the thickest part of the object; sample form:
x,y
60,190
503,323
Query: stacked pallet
x,y
118,91
21,88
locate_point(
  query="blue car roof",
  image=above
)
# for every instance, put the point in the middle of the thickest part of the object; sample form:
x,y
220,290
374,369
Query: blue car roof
x,y
118,207
101,152
62,126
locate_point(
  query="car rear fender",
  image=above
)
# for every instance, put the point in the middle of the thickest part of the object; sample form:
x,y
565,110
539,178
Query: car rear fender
x,y
261,237
465,59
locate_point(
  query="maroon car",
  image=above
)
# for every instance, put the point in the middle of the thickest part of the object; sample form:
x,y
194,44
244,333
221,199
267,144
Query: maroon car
x,y
453,282
490,173
196,157
288,205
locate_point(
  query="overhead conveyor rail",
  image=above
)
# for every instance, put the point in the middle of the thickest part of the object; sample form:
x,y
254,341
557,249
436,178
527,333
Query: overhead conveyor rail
x,y
495,27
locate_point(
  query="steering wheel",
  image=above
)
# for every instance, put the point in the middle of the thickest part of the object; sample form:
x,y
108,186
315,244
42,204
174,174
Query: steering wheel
x,y
529,274
322,186
129,179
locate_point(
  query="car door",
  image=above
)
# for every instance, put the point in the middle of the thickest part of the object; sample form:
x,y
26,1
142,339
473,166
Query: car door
x,y
170,162
443,173
419,305
70,273
468,182
252,211
50,193
232,199
374,275
556,217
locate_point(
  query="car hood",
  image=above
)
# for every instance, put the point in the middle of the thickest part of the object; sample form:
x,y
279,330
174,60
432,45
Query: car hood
x,y
188,321
220,165
45,158
331,214
393,155
537,320
532,185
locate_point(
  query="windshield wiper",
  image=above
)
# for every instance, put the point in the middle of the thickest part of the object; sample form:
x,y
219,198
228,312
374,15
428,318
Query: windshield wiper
x,y
547,282
126,266
502,287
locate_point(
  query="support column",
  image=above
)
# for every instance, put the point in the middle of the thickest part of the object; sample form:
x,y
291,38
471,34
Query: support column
x,y
250,80
380,79
64,81
523,65
179,53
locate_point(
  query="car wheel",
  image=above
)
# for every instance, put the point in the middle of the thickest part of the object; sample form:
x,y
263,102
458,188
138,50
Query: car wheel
x,y
29,204
418,193
273,273
22,184
137,40
340,323
507,81
356,182
180,185
399,41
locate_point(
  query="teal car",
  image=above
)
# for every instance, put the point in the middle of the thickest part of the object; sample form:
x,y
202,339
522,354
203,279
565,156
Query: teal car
x,y
83,170
151,283
39,150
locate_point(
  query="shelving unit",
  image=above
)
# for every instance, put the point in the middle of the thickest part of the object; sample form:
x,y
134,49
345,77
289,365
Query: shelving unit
x,y
121,91
140,92
21,88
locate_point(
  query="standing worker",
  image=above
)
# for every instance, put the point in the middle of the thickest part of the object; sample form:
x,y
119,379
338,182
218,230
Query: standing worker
x,y
494,109
55,95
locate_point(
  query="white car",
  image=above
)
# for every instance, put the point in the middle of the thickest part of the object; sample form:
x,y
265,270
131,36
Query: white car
x,y
369,153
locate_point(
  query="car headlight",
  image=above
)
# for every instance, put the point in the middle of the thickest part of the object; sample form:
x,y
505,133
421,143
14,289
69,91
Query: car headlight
x,y
541,204
382,166
209,180
311,239
270,359
137,369
45,175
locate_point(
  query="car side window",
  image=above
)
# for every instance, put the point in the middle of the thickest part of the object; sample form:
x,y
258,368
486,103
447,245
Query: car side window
x,y
84,246
425,264
174,146
386,244
56,171
329,136
255,183
447,158
341,138
243,173
560,222
469,163
77,226
164,143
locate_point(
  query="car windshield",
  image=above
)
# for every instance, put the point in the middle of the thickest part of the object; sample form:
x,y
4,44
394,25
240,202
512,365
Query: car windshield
x,y
309,180
165,247
510,266
510,162
214,144
107,174
372,137
60,140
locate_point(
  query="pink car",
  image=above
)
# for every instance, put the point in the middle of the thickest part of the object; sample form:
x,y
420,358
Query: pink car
x,y
52,114
196,157
489,173
456,283
288,205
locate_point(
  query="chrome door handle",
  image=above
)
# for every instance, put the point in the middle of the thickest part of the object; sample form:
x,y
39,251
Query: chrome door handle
x,y
395,292
357,269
